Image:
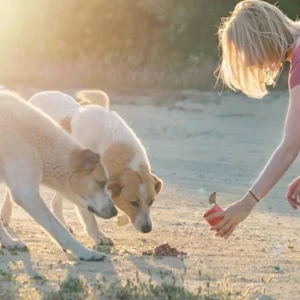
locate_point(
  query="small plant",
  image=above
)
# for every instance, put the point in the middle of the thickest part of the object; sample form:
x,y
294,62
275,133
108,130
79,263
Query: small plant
x,y
104,249
37,277
6,276
72,285
77,289
114,251
72,288
14,250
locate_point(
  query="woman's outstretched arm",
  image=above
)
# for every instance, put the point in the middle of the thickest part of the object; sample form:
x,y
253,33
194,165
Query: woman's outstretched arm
x,y
287,151
281,160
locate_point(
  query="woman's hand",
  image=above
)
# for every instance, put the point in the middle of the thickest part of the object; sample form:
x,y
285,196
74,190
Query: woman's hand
x,y
233,215
293,193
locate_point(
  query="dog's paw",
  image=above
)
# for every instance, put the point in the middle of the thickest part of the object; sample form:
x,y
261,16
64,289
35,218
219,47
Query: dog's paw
x,y
100,238
104,241
91,255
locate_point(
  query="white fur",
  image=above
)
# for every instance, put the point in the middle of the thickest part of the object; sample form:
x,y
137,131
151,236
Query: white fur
x,y
109,128
97,129
34,151
143,217
55,104
86,121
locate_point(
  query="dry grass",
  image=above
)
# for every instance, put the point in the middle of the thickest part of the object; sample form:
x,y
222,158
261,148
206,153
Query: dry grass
x,y
78,288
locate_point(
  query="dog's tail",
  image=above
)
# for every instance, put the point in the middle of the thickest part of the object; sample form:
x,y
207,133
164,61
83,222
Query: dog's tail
x,y
97,97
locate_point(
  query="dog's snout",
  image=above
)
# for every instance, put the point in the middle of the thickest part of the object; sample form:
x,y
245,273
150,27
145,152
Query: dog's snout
x,y
146,228
113,211
106,213
90,209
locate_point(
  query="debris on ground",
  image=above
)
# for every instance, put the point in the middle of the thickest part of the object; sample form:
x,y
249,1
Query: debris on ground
x,y
165,250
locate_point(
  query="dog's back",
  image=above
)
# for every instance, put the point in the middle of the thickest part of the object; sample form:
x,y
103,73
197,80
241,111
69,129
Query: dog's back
x,y
93,126
25,130
55,104
98,128
18,117
122,154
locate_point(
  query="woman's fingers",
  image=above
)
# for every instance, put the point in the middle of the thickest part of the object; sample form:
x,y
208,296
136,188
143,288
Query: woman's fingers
x,y
293,193
218,231
296,193
294,202
292,188
294,206
230,231
223,231
215,215
294,183
220,224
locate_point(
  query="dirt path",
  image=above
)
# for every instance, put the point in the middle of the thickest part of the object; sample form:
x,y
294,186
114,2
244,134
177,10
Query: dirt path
x,y
200,144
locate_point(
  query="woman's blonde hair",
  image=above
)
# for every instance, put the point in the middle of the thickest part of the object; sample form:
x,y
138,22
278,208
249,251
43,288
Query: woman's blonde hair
x,y
255,41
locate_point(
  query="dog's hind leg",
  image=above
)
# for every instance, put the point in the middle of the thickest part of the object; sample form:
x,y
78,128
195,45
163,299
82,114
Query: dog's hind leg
x,y
6,210
90,224
57,208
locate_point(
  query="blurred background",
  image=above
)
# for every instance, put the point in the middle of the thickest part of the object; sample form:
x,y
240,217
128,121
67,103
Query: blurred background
x,y
119,45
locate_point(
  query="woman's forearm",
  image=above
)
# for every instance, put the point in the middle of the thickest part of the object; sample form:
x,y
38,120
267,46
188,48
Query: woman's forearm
x,y
279,163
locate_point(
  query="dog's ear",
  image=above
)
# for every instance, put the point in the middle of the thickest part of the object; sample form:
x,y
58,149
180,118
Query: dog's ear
x,y
115,188
158,184
85,102
84,160
65,123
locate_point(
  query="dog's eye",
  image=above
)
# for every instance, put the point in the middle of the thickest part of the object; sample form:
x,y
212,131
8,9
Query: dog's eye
x,y
151,202
101,184
135,203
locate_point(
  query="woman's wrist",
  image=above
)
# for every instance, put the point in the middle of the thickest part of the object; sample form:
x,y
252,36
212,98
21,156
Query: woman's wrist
x,y
250,200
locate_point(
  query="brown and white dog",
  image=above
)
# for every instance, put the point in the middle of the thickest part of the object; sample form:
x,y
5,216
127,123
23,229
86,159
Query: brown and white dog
x,y
131,184
35,150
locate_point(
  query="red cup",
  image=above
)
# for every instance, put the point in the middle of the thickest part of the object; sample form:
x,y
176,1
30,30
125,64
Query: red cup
x,y
216,208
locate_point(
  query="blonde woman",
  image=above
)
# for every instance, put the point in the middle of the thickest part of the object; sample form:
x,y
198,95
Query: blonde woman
x,y
256,40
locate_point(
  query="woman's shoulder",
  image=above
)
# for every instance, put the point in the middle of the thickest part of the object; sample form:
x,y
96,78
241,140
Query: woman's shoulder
x,y
294,76
296,54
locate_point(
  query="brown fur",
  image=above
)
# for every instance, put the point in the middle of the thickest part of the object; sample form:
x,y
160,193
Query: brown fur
x,y
65,123
84,160
96,177
124,183
117,157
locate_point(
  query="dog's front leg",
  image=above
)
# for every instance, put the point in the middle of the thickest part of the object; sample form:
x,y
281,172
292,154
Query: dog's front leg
x,y
6,210
7,241
30,200
57,208
90,224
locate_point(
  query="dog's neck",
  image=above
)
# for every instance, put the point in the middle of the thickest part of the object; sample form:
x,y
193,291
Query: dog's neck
x,y
116,158
57,162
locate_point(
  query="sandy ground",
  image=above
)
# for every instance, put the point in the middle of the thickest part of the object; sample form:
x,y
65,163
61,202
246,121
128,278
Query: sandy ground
x,y
198,143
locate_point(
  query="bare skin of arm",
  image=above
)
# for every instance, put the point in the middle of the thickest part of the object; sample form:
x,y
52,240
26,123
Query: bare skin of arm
x,y
279,163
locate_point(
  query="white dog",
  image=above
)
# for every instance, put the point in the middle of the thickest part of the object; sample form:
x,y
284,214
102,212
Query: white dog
x,y
35,150
131,184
